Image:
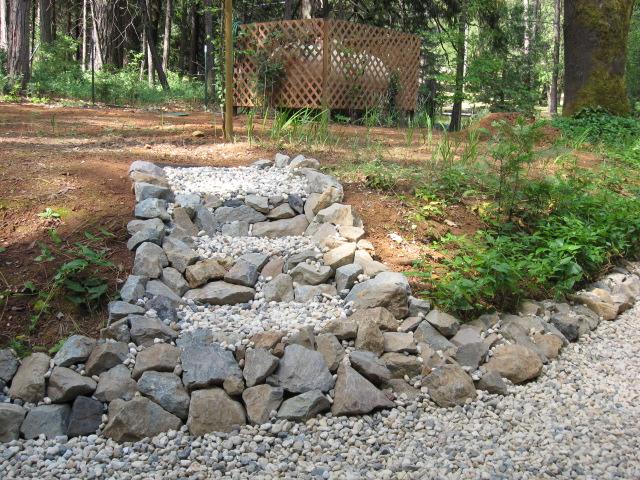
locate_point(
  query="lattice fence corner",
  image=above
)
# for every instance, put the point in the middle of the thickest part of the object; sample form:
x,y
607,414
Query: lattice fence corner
x,y
331,64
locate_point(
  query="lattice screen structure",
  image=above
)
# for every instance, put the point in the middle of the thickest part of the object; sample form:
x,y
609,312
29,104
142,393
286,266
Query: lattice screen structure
x,y
328,64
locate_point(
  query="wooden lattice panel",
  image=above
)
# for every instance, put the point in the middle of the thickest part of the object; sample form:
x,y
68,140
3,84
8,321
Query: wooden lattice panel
x,y
324,64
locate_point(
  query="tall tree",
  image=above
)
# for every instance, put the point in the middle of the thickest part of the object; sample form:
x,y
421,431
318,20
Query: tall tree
x,y
47,18
154,60
167,35
553,90
595,39
18,43
109,32
3,24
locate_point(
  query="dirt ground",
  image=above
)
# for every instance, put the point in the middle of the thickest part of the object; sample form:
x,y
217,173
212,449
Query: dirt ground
x,y
74,161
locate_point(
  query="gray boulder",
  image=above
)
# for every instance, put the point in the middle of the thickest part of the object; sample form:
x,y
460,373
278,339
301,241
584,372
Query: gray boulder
x,y
301,370
281,228
179,254
305,336
173,279
378,316
515,333
400,365
301,161
189,202
50,420
152,208
28,384
337,214
182,220
145,329
387,290
106,356
118,331
212,410
347,275
236,229
340,256
306,274
471,354
449,386
65,385
243,213
149,168
11,418
242,273
165,388
133,288
304,406
568,325
281,212
260,401
492,382
426,333
160,357
205,221
149,261
466,335
258,203
136,225
399,342
309,293
370,366
150,235
371,267
9,364
85,417
157,288
356,395
370,338
206,365
138,418
119,309
221,293
259,364
319,182
273,267
116,383
331,350
280,289
418,306
446,324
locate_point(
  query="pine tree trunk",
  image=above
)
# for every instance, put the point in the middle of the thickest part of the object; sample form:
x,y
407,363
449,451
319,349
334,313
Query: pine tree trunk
x,y
3,24
154,60
83,61
208,32
458,95
595,45
18,43
107,21
167,36
305,9
553,90
288,10
195,33
46,8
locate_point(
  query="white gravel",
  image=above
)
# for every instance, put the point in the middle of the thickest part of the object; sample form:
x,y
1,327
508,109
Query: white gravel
x,y
221,246
230,183
580,419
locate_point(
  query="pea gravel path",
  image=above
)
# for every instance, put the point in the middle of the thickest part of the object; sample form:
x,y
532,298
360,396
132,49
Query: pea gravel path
x,y
580,419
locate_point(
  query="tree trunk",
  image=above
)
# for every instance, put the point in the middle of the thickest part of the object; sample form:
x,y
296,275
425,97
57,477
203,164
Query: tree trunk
x,y
458,95
154,59
288,10
3,24
83,62
195,33
208,32
46,9
305,9
182,49
109,32
167,36
595,43
18,42
553,91
527,33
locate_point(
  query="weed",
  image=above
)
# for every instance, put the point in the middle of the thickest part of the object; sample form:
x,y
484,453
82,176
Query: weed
x,y
49,213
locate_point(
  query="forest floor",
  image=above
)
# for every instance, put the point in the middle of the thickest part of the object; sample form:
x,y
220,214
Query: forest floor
x,y
74,161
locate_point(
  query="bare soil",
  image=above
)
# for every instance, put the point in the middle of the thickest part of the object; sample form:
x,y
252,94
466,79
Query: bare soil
x,y
75,161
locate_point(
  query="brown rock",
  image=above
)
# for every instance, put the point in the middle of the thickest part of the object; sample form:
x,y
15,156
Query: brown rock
x,y
515,362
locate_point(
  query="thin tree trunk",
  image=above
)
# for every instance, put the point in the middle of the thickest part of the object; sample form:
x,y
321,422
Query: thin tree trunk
x,y
193,63
84,35
182,50
208,32
18,43
305,9
167,36
553,91
45,7
288,11
458,95
145,58
154,60
3,24
527,33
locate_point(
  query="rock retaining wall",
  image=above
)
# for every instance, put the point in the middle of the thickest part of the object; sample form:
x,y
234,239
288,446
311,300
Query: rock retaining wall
x,y
254,295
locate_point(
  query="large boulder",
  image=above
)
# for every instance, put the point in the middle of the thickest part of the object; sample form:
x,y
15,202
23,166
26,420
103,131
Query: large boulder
x,y
144,330
242,213
379,316
202,272
29,383
426,333
179,254
49,420
258,365
449,386
85,417
515,362
11,417
242,273
160,357
149,261
212,410
65,385
260,401
304,406
331,349
280,289
136,419
446,324
306,274
9,364
165,388
206,365
388,289
76,349
370,366
356,395
281,228
221,293
301,370
116,383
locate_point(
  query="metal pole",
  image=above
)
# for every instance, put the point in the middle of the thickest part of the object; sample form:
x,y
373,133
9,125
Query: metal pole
x,y
228,70
206,78
93,73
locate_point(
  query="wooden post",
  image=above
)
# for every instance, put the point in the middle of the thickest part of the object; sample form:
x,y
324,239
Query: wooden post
x,y
326,52
228,70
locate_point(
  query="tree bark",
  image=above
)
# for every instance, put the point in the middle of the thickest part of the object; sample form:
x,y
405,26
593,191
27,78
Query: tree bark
x,y
553,90
208,32
154,59
595,42
46,9
195,33
288,10
167,36
3,24
458,95
83,61
305,9
18,43
109,32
